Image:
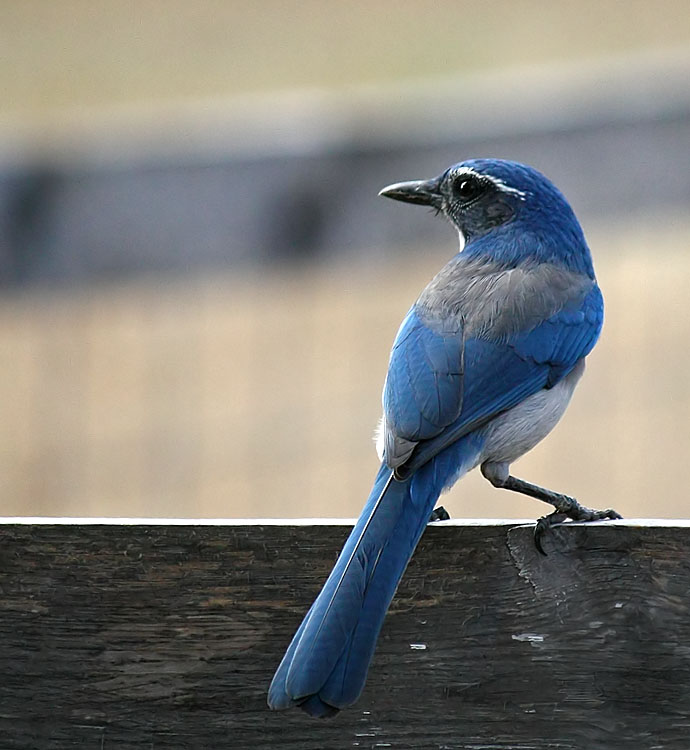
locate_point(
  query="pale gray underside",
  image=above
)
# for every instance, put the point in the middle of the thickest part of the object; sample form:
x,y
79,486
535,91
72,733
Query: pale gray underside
x,y
516,431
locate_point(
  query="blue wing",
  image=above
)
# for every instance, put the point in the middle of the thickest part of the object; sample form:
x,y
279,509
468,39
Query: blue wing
x,y
424,388
441,387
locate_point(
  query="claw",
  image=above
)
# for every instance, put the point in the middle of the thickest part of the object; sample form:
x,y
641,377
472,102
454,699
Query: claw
x,y
572,510
544,525
539,531
538,534
440,514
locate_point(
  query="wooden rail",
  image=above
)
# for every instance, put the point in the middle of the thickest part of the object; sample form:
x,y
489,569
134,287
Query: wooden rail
x,y
165,634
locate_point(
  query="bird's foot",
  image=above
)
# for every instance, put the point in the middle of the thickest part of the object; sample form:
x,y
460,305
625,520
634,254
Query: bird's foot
x,y
568,508
439,514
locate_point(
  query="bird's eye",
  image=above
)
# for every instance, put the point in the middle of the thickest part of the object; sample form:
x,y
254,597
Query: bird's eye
x,y
467,188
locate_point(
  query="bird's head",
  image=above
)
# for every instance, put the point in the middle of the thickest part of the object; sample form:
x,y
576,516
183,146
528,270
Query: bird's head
x,y
480,195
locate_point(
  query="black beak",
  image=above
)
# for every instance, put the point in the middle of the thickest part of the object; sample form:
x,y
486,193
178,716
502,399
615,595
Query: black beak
x,y
421,192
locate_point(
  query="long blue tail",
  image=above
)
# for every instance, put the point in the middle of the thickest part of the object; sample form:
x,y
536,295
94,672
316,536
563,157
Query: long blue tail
x,y
325,666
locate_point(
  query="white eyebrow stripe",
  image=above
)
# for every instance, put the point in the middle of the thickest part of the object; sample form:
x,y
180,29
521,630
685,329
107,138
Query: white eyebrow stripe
x,y
496,181
506,188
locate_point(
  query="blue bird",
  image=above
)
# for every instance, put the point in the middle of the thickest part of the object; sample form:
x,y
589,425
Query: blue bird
x,y
482,369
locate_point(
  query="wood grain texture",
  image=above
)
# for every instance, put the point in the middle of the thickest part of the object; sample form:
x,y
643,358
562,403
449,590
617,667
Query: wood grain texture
x,y
161,637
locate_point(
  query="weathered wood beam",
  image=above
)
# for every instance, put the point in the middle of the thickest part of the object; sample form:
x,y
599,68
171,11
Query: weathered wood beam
x,y
165,634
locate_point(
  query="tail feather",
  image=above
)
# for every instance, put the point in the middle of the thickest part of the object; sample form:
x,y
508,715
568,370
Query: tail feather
x,y
325,666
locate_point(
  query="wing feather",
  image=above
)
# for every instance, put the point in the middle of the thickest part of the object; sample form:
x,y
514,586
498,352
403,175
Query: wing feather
x,y
441,385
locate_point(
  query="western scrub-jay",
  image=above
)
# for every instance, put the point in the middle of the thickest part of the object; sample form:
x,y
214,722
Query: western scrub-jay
x,y
481,370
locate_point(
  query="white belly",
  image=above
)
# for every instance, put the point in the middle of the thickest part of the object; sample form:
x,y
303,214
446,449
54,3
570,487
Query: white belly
x,y
512,434
518,430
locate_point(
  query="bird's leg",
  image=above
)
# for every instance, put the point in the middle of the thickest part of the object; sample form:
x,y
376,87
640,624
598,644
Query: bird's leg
x,y
565,506
439,514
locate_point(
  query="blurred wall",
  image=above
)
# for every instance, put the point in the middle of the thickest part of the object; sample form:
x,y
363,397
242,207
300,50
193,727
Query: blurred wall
x,y
258,395
199,294
293,177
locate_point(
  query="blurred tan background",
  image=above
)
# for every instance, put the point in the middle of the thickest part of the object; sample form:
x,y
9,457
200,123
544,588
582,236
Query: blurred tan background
x,y
246,386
